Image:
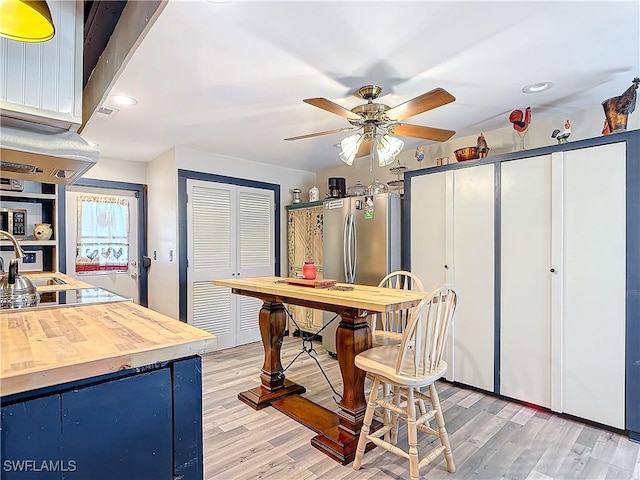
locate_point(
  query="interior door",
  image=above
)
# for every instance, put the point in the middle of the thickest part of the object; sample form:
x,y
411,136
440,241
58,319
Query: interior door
x,y
230,233
122,283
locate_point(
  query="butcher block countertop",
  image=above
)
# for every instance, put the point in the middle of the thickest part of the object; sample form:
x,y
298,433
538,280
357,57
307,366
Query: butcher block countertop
x,y
49,346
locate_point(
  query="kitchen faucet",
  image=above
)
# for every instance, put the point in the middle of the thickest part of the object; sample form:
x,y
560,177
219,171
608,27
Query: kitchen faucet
x,y
16,291
20,253
13,263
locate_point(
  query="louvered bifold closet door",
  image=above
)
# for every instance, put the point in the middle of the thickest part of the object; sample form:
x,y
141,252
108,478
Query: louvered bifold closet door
x,y
256,253
211,252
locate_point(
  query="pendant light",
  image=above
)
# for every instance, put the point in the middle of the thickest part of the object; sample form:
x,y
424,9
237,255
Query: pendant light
x,y
26,20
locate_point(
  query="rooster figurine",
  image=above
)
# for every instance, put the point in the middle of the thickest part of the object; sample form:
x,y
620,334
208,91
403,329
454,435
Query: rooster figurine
x,y
482,147
520,122
617,109
562,136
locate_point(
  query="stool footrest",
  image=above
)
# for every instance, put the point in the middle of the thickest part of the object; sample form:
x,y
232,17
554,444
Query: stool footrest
x,y
431,455
388,446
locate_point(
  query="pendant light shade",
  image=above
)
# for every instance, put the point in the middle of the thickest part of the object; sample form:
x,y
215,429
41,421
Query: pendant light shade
x,y
26,20
349,148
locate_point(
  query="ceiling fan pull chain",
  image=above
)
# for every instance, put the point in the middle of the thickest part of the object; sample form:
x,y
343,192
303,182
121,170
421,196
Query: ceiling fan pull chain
x,y
371,153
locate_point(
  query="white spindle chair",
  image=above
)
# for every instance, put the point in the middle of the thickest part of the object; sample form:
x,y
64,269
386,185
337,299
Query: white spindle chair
x,y
415,363
387,327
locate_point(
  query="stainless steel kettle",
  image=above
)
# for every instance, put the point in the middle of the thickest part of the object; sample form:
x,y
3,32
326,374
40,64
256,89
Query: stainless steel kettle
x,y
16,291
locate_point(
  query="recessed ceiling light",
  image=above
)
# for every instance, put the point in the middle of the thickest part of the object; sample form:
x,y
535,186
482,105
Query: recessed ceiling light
x,y
537,87
124,100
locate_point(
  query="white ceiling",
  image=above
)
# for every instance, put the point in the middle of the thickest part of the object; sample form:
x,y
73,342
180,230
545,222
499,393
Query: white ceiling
x,y
230,78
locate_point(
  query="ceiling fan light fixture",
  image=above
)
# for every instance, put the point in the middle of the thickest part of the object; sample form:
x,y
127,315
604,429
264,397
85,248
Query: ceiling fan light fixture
x,y
26,21
388,148
349,148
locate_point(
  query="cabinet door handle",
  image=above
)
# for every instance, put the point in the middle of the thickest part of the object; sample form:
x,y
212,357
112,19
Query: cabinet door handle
x,y
446,267
553,270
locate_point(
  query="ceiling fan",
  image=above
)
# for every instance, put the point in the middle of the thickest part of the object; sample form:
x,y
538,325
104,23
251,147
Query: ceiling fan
x,y
372,117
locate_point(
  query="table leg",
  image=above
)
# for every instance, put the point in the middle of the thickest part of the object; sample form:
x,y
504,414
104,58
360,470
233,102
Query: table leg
x,y
272,322
352,337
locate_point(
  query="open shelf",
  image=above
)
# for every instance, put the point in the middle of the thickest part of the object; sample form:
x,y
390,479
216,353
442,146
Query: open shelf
x,y
19,195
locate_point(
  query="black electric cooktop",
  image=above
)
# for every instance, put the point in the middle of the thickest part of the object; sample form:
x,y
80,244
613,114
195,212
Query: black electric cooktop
x,y
78,296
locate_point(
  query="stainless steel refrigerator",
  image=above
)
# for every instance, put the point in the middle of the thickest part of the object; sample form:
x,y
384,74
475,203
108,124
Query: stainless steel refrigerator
x,y
361,238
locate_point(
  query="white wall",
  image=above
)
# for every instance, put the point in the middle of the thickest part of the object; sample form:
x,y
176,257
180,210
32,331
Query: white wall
x,y
584,124
162,234
118,171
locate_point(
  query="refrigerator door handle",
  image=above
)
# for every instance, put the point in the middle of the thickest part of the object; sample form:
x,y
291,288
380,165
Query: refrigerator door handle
x,y
354,256
345,255
349,250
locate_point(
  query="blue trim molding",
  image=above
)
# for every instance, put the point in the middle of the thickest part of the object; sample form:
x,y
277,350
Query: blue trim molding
x,y
183,176
497,280
632,320
632,351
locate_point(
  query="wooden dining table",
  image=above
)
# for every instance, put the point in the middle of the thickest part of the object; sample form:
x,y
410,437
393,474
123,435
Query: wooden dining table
x,y
337,432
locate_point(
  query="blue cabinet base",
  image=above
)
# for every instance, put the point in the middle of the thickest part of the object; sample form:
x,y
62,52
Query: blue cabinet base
x,y
144,423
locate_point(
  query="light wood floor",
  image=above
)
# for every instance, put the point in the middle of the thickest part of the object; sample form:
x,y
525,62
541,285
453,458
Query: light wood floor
x,y
491,438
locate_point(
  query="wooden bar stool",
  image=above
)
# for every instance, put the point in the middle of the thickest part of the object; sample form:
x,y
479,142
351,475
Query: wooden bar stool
x,y
387,328
415,363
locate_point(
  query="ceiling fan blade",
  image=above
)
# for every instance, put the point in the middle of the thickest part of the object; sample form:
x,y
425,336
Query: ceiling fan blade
x,y
364,149
328,132
425,102
417,131
329,106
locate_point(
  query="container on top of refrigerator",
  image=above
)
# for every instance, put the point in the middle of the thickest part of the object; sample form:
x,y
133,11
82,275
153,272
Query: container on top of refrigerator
x,y
356,190
377,187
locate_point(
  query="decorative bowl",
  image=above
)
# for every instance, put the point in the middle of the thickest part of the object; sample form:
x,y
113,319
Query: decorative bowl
x,y
467,153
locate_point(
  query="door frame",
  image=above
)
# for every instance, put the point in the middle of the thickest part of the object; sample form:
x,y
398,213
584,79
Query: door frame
x,y
183,176
140,192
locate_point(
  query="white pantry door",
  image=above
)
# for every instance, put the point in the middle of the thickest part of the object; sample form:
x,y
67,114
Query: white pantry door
x,y
125,284
230,232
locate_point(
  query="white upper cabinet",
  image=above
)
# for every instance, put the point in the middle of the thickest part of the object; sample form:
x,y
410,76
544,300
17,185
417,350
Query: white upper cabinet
x,y
42,82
